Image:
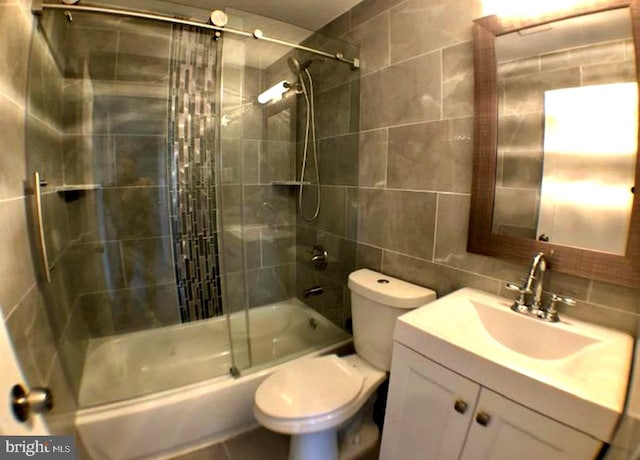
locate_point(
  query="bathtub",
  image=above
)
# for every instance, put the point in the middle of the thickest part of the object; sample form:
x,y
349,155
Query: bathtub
x,y
175,415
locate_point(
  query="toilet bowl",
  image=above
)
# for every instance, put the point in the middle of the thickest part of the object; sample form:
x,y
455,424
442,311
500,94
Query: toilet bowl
x,y
340,388
313,399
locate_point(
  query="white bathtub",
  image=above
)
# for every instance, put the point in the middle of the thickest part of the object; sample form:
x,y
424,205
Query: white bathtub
x,y
163,423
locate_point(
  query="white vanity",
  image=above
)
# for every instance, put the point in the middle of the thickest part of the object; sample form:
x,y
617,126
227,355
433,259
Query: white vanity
x,y
473,380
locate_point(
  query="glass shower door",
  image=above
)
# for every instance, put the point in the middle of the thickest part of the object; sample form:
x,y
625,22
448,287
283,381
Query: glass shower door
x,y
261,144
123,114
257,147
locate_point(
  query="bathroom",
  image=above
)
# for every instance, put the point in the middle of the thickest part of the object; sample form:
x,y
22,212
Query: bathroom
x,y
396,148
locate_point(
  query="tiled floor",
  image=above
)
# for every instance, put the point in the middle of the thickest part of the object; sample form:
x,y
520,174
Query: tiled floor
x,y
258,444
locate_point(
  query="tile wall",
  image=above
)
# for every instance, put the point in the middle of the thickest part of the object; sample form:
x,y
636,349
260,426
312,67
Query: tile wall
x,y
192,173
411,203
336,102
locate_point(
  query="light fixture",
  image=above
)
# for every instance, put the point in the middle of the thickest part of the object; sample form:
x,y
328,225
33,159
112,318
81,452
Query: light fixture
x,y
275,92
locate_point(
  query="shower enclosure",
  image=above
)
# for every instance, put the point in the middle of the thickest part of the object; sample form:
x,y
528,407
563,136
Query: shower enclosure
x,y
168,195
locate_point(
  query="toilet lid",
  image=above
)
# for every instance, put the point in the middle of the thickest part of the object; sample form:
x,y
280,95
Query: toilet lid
x,y
309,388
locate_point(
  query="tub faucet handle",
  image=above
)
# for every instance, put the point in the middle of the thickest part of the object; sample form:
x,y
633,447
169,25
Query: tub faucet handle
x,y
319,258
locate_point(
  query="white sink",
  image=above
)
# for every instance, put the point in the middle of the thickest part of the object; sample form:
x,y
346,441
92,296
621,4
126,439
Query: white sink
x,y
525,335
572,371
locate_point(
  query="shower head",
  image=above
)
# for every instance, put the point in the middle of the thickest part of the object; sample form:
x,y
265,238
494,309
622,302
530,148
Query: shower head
x,y
298,67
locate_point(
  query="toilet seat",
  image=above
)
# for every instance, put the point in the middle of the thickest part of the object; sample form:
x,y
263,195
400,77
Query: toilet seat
x,y
309,388
315,394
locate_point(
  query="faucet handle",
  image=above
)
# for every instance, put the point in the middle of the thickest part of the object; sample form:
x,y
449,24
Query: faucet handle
x,y
319,258
565,300
523,290
551,312
520,305
515,287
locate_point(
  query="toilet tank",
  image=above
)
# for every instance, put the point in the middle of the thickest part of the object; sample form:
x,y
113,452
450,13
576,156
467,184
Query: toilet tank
x,y
376,301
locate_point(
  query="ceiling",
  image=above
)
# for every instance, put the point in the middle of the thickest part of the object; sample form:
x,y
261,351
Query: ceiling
x,y
310,14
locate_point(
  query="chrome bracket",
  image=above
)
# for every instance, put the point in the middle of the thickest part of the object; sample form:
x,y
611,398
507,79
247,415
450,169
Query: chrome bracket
x,y
234,372
36,7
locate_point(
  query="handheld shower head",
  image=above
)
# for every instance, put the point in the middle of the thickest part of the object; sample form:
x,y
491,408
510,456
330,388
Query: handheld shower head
x,y
298,67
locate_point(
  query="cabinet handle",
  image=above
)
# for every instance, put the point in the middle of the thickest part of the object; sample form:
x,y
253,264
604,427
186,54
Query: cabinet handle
x,y
460,406
483,418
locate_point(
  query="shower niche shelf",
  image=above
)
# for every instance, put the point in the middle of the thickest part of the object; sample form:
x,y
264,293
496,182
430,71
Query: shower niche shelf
x,y
77,187
289,182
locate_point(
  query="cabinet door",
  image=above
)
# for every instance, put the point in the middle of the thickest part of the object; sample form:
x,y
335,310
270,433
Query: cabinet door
x,y
423,420
515,432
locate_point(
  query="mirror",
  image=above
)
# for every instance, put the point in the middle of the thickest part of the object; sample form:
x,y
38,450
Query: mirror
x,y
567,131
556,141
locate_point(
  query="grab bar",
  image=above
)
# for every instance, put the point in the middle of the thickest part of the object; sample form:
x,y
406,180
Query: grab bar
x,y
37,189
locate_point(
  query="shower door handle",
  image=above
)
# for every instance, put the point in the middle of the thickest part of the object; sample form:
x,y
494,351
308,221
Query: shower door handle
x,y
37,191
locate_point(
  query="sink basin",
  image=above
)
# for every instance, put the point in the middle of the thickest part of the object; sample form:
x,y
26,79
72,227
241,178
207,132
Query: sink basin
x,y
571,370
528,336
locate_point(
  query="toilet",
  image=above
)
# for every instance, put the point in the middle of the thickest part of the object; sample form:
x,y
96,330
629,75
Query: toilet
x,y
326,403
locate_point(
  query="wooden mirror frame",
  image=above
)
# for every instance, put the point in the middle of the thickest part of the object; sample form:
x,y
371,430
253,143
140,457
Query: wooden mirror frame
x,y
618,269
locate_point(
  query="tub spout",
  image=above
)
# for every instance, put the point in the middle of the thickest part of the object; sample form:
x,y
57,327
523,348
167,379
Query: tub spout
x,y
316,290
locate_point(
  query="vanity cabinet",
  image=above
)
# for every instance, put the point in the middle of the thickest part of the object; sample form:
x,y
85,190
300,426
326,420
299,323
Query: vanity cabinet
x,y
434,413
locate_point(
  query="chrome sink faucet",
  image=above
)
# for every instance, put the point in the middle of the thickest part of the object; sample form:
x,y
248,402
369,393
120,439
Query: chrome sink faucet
x,y
533,289
538,267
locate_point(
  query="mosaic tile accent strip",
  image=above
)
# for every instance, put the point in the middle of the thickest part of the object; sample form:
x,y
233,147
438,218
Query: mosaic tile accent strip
x,y
192,185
